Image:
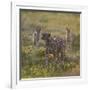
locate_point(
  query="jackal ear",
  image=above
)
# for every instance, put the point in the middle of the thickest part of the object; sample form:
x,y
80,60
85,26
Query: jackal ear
x,y
67,29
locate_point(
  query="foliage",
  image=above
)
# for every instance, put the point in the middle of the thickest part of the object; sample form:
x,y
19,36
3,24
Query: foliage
x,y
32,58
41,52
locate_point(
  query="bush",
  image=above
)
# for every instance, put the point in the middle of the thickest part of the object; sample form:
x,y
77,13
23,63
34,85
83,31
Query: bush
x,y
26,55
27,49
41,52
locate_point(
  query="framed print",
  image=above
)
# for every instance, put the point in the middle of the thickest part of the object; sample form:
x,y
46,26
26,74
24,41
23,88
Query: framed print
x,y
48,44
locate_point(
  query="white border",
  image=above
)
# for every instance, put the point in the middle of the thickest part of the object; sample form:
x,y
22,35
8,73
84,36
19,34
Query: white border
x,y
15,82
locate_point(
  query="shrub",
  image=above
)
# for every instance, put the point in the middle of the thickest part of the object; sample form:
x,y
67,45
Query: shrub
x,y
27,49
41,52
26,55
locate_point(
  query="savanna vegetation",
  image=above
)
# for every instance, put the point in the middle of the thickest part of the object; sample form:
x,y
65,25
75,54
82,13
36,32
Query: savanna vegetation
x,y
32,58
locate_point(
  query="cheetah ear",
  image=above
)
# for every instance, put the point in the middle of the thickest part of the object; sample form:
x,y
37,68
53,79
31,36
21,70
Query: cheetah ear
x,y
49,34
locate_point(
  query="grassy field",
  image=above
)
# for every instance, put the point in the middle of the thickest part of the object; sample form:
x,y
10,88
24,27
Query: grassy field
x,y
32,59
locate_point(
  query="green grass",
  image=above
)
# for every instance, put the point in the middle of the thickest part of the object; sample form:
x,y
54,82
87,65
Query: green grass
x,y
35,66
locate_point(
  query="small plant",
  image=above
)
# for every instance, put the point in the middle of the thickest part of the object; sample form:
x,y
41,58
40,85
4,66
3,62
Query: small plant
x,y
27,49
41,52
